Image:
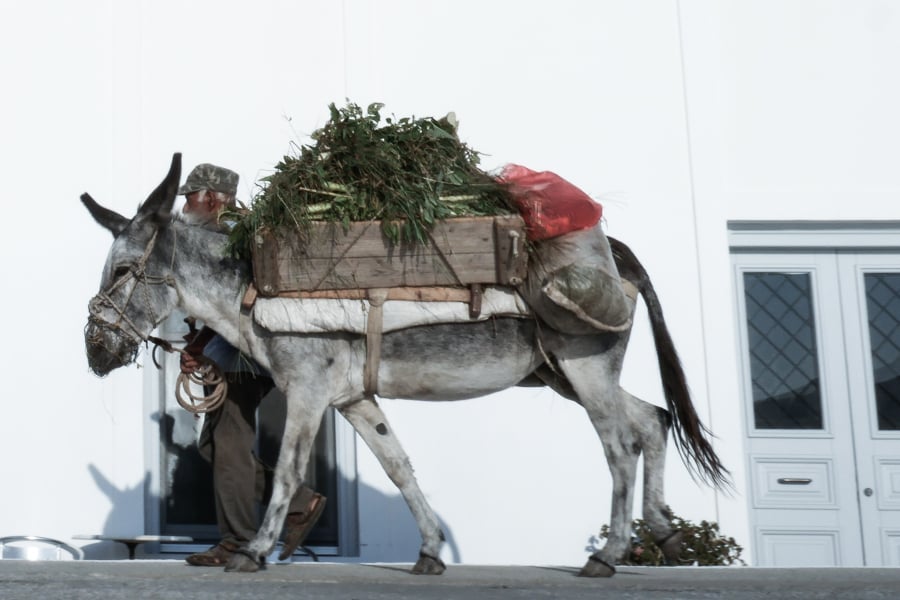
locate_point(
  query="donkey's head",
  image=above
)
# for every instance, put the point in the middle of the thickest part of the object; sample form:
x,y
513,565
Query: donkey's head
x,y
136,288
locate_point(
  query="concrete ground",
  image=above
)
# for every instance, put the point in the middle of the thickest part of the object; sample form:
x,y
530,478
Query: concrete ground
x,y
172,579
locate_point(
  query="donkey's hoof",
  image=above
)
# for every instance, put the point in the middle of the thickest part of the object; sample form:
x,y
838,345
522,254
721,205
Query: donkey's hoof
x,y
595,567
242,561
670,546
429,565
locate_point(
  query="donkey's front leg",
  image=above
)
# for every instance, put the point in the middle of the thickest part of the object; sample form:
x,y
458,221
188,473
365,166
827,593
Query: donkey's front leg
x,y
372,426
300,430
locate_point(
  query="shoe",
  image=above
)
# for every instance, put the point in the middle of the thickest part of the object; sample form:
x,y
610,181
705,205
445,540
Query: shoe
x,y
217,556
298,525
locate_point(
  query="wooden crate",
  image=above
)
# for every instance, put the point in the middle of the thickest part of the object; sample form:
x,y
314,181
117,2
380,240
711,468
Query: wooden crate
x,y
463,251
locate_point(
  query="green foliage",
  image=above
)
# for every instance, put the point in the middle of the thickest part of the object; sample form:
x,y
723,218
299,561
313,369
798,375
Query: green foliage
x,y
702,544
407,172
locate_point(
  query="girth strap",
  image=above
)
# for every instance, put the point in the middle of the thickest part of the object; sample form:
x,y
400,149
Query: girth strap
x,y
374,322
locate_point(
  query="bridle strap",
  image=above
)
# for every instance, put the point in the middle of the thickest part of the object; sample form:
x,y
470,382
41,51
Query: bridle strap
x,y
138,272
208,375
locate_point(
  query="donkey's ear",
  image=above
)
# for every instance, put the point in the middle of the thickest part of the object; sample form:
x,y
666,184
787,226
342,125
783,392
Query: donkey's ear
x,y
109,219
163,197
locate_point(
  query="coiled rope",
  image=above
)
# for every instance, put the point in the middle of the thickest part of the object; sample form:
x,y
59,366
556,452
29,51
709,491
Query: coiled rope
x,y
208,377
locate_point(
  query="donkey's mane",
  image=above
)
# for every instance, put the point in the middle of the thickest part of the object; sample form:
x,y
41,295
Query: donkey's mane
x,y
213,237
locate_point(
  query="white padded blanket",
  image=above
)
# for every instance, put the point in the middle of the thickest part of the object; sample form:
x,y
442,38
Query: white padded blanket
x,y
303,315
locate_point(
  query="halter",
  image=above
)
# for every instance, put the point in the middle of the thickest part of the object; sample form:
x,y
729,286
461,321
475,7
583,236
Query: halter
x,y
207,376
103,299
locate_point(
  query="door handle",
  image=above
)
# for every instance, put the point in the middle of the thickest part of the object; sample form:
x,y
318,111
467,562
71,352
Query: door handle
x,y
794,480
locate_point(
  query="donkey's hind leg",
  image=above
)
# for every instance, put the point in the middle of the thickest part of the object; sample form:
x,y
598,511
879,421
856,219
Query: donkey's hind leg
x,y
594,382
592,367
371,424
622,448
652,424
637,428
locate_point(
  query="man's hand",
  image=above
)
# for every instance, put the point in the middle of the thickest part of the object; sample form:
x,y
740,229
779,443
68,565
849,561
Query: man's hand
x,y
193,351
189,363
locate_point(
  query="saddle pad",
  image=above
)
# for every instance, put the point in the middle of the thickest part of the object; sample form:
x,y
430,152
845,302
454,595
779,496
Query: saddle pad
x,y
306,315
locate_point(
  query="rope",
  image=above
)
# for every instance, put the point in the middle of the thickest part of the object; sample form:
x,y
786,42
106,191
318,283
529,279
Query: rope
x,y
207,376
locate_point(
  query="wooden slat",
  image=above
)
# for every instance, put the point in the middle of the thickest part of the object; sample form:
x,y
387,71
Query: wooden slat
x,y
412,294
460,252
382,271
365,240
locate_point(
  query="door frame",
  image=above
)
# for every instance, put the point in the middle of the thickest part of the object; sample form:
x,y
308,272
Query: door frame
x,y
840,239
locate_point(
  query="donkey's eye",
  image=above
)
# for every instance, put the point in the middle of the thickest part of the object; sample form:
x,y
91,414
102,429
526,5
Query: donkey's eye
x,y
120,272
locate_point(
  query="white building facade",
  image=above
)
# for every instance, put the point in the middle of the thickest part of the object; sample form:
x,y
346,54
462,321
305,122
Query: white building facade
x,y
746,151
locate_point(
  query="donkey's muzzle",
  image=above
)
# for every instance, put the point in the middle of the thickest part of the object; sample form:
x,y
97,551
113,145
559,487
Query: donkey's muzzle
x,y
106,349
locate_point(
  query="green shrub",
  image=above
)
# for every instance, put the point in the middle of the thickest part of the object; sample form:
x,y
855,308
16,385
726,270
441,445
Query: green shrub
x,y
702,545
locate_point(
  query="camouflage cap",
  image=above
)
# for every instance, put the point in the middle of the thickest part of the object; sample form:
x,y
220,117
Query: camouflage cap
x,y
210,177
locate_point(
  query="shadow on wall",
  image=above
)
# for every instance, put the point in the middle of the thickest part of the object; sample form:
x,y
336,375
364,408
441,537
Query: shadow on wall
x,y
388,532
123,518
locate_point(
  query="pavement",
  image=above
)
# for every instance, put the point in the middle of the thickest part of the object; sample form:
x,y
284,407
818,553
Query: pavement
x,y
173,579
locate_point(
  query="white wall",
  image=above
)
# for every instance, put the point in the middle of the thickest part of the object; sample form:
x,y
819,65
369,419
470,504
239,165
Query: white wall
x,y
783,110
792,117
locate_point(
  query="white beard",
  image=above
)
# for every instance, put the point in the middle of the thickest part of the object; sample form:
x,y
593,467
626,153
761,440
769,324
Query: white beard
x,y
192,218
210,222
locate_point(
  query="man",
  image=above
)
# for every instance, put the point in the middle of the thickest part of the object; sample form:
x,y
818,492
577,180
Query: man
x,y
229,432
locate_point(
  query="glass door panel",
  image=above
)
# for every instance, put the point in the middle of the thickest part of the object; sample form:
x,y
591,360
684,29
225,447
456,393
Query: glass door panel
x,y
883,308
781,335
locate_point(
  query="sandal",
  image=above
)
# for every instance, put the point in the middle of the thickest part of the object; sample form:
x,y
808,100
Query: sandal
x,y
298,525
217,556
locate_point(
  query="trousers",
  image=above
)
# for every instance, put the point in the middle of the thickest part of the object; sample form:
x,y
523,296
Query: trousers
x,y
227,441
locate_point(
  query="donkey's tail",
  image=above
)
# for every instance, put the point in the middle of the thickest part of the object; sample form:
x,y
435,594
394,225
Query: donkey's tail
x,y
691,436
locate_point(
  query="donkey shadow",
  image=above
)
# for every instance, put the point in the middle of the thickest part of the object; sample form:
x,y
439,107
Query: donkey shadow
x,y
189,478
121,519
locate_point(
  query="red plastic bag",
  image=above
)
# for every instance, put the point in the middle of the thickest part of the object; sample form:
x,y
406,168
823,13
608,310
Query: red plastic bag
x,y
549,204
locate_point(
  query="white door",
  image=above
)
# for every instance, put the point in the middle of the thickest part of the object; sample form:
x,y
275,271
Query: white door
x,y
820,344
870,295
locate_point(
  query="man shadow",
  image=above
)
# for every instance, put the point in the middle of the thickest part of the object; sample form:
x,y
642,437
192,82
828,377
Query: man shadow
x,y
187,477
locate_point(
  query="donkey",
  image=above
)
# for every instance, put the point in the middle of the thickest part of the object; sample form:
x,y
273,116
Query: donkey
x,y
158,263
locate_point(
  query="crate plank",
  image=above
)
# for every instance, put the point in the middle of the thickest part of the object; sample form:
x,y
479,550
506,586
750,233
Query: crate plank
x,y
325,256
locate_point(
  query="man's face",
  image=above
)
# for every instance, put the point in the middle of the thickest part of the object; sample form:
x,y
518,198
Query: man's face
x,y
200,207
